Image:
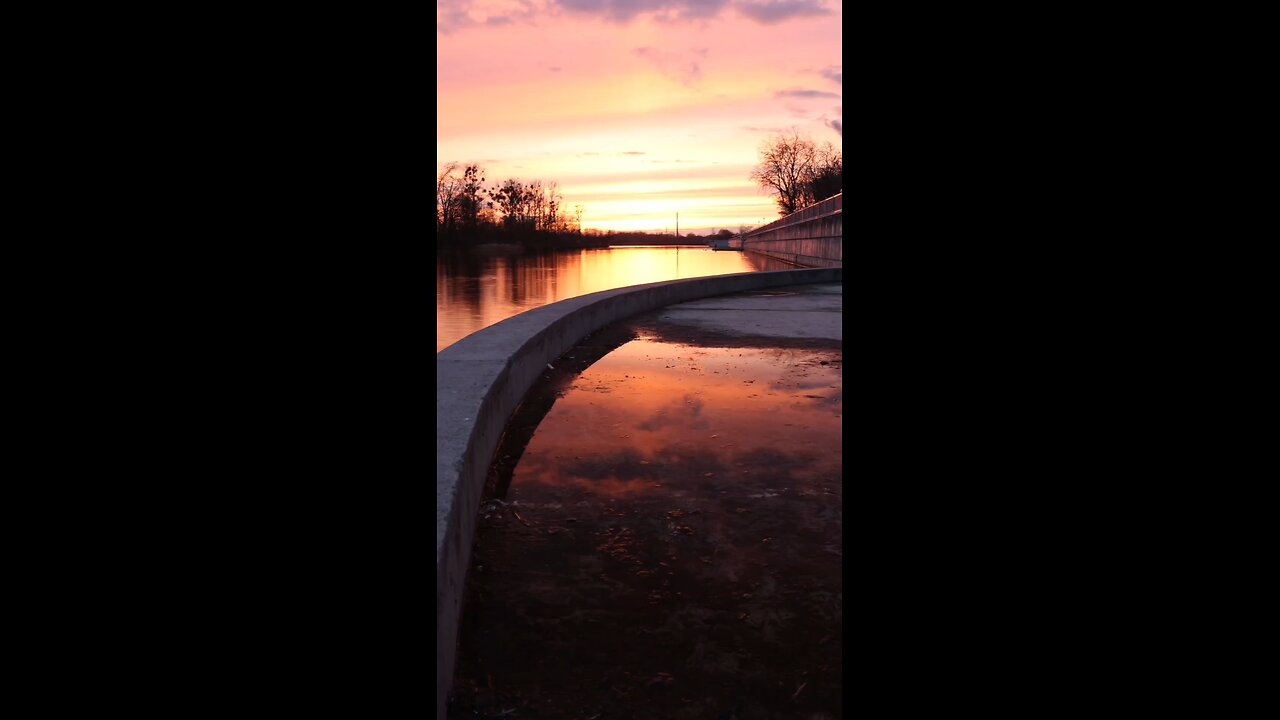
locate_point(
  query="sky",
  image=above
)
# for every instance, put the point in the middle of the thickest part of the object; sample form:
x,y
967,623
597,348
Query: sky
x,y
637,109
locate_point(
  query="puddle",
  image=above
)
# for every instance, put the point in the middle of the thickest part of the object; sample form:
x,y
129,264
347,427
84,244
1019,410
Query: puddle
x,y
668,543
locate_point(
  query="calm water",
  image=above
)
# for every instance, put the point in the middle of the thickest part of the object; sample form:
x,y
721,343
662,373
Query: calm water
x,y
660,552
476,291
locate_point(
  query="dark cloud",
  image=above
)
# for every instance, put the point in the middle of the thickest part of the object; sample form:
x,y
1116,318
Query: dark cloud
x,y
627,464
453,15
685,413
556,68
837,126
620,10
624,10
770,12
656,422
802,93
834,73
694,9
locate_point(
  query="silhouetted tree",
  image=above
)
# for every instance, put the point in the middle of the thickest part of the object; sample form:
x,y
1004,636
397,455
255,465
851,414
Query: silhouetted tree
x,y
532,212
469,199
447,190
551,219
828,177
510,199
537,208
792,166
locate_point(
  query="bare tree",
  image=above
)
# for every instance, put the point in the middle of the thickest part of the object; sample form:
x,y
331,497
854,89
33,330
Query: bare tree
x,y
537,202
796,169
786,161
551,217
828,174
512,200
448,187
469,199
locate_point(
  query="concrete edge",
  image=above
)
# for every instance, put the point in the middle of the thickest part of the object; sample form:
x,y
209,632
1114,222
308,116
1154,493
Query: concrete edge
x,y
794,258
481,379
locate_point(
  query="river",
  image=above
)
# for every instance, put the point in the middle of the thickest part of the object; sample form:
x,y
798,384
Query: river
x,y
475,290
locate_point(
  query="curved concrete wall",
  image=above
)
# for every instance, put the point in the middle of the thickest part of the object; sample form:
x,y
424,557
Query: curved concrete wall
x,y
812,237
483,377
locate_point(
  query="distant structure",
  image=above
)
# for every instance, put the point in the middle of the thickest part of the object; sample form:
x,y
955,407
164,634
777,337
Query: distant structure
x,y
725,243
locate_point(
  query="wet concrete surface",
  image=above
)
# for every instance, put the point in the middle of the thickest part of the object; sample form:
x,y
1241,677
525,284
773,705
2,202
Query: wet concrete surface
x,y
661,535
803,312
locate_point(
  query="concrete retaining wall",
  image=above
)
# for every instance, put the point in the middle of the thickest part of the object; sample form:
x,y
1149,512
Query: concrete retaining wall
x,y
812,237
483,377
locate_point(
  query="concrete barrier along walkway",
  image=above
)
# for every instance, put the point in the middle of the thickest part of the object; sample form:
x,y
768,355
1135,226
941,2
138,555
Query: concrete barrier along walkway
x,y
481,380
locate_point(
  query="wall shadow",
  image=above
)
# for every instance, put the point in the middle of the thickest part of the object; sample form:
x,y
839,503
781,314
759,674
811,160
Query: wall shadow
x,y
540,399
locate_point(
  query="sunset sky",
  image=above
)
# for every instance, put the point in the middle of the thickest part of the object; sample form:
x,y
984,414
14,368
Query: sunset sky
x,y
638,109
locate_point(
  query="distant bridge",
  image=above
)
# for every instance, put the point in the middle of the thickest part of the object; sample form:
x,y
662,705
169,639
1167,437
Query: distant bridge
x,y
812,237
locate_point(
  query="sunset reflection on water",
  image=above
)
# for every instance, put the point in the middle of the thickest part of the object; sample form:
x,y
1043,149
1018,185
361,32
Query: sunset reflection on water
x,y
670,544
474,291
651,409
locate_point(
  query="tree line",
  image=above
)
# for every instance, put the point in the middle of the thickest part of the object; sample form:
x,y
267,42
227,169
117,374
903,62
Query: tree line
x,y
792,166
468,208
798,170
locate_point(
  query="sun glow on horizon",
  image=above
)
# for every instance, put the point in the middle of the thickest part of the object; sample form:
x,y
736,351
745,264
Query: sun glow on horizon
x,y
635,118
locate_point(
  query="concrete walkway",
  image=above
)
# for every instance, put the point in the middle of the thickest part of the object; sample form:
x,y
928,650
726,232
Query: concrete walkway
x,y
483,379
661,537
803,311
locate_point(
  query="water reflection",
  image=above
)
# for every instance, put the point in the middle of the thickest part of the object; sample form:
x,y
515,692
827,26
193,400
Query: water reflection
x,y
674,528
687,411
475,291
